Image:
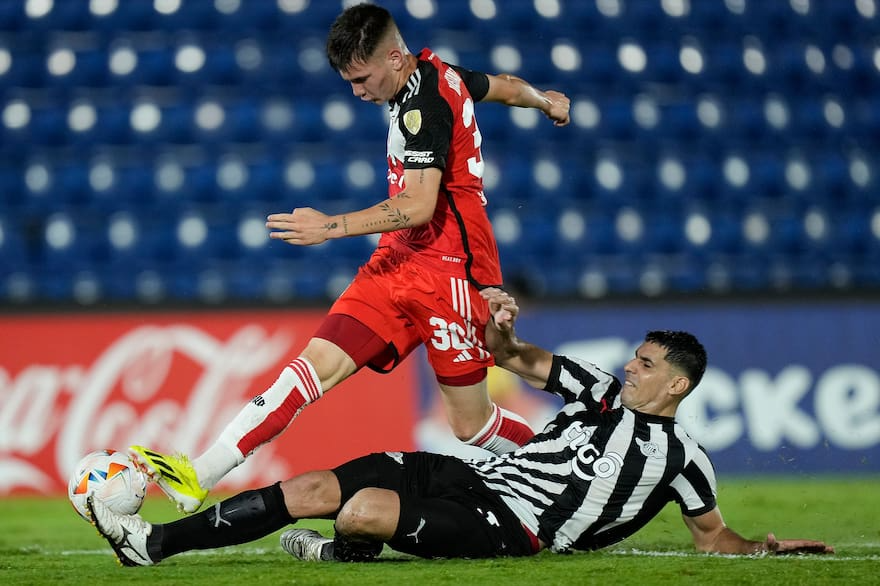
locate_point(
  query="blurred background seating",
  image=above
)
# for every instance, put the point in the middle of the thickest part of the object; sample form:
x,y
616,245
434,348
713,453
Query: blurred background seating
x,y
716,146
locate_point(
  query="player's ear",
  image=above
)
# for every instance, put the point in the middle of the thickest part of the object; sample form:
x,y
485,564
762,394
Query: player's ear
x,y
679,385
396,58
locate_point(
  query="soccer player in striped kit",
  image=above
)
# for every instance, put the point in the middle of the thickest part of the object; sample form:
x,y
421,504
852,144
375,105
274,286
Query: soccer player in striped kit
x,y
608,462
435,253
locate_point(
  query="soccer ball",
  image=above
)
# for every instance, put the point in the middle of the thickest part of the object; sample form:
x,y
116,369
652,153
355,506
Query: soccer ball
x,y
111,477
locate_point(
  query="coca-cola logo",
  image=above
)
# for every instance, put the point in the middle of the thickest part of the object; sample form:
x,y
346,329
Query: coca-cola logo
x,y
127,395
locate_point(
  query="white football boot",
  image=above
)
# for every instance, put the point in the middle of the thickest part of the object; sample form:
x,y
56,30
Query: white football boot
x,y
127,534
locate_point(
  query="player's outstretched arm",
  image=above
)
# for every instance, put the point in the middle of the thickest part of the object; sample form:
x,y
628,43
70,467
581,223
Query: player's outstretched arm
x,y
412,207
712,535
526,360
515,91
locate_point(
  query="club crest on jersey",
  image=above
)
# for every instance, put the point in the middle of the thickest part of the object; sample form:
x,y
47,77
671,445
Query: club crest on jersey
x,y
413,121
650,449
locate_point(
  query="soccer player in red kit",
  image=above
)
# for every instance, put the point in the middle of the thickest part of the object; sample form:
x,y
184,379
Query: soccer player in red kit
x,y
421,285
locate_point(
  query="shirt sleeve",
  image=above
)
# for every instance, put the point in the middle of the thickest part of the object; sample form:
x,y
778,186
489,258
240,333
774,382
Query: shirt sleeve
x,y
476,82
575,379
695,488
426,124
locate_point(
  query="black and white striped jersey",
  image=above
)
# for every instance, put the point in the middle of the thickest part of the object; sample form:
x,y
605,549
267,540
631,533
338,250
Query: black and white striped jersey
x,y
598,472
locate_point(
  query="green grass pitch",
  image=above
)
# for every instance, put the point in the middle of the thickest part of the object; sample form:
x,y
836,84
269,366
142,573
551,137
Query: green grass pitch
x,y
42,541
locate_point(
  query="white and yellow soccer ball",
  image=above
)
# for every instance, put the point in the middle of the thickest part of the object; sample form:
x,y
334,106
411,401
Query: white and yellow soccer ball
x,y
111,477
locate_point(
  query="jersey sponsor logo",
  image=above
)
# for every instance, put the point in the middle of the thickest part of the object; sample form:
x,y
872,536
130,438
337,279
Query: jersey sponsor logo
x,y
455,259
577,435
419,156
413,121
589,464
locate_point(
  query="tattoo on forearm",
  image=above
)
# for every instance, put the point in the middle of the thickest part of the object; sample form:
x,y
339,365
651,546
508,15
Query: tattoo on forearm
x,y
330,225
394,216
345,225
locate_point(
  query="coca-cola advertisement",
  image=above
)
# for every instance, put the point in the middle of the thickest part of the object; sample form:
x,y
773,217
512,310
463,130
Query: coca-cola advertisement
x,y
73,383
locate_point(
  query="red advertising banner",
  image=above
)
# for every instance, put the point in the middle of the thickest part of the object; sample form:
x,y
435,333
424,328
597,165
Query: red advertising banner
x,y
73,383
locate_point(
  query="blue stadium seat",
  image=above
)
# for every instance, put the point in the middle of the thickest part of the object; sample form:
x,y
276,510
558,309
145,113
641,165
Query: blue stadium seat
x,y
27,68
113,123
241,124
256,16
219,69
511,176
155,66
679,120
648,21
598,236
600,65
663,64
723,70
68,239
770,20
71,184
617,118
851,231
178,124
794,75
201,181
11,186
713,20
744,120
13,244
190,16
248,281
48,125
266,183
767,175
129,17
90,71
830,175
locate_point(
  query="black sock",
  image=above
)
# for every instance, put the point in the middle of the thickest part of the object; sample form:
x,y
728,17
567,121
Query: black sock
x,y
245,517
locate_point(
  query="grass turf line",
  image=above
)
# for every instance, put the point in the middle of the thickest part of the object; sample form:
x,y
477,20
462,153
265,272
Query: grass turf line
x,y
43,541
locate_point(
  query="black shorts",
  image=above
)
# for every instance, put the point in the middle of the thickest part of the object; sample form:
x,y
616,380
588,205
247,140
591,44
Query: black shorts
x,y
446,510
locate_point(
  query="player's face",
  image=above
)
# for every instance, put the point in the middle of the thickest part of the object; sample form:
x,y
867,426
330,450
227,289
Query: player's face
x,y
373,81
648,380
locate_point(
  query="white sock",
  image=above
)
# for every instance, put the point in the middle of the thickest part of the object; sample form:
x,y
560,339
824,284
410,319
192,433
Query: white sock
x,y
260,421
215,463
504,432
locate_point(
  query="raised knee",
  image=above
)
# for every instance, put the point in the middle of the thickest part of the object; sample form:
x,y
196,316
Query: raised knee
x,y
356,514
371,513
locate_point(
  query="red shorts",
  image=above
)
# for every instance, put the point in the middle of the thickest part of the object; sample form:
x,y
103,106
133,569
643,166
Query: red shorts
x,y
406,303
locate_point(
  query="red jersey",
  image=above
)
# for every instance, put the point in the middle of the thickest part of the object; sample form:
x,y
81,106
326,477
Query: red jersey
x,y
433,125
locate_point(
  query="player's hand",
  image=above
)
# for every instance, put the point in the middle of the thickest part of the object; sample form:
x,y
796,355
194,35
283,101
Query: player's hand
x,y
301,227
794,546
502,307
558,106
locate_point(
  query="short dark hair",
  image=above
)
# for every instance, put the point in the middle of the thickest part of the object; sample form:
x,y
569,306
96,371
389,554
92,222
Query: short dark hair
x,y
683,350
355,35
